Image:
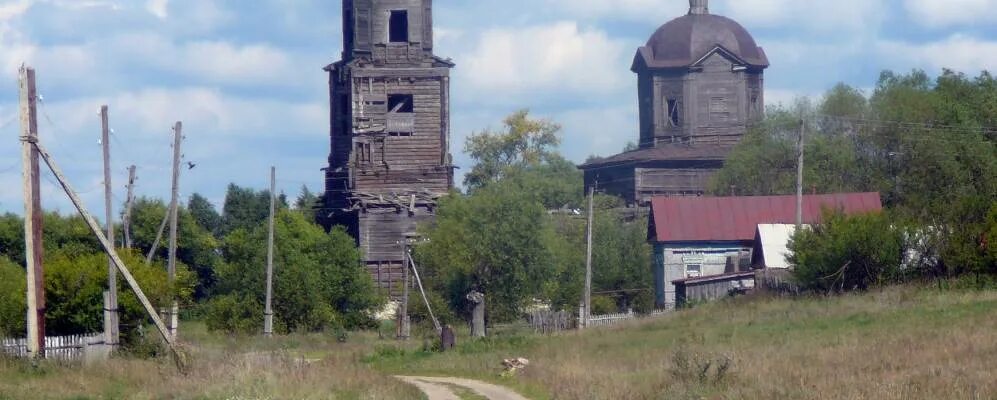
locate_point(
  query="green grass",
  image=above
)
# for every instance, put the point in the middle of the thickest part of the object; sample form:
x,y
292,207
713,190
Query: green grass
x,y
896,343
903,342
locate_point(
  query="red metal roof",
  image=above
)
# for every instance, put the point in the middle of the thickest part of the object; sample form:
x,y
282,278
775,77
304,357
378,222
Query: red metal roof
x,y
696,219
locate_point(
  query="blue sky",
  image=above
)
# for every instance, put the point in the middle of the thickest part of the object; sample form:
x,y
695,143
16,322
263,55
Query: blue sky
x,y
245,76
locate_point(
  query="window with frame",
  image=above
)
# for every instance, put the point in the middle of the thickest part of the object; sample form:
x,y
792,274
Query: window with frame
x,y
693,270
398,26
672,113
401,103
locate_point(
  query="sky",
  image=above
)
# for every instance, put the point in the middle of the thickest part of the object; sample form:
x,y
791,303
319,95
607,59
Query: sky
x,y
246,78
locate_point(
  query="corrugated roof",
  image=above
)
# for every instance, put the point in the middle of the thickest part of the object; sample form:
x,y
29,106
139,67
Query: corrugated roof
x,y
695,219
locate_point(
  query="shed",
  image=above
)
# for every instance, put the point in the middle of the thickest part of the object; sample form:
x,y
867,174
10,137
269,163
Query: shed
x,y
693,290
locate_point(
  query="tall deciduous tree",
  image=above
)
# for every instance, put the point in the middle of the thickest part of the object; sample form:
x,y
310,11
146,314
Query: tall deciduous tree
x,y
522,142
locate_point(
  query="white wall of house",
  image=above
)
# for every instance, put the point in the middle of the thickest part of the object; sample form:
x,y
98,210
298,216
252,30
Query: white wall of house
x,y
675,261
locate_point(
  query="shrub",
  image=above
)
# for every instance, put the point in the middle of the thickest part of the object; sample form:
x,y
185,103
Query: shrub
x,y
12,299
846,253
602,305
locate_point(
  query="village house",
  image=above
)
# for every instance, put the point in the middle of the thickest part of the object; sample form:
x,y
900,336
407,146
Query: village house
x,y
711,241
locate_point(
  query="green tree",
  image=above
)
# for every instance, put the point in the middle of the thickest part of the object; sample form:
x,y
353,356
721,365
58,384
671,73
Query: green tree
x,y
523,142
75,283
246,208
497,242
319,280
13,306
308,204
204,213
196,246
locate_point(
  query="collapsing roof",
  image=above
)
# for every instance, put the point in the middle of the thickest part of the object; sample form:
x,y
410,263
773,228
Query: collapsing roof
x,y
736,219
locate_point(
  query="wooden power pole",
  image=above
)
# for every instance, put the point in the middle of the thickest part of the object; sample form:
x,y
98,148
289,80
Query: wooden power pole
x,y
588,260
268,312
126,222
174,206
32,215
799,177
111,308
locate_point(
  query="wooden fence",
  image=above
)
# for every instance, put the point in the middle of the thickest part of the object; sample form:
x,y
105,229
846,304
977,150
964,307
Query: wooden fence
x,y
547,322
613,319
60,348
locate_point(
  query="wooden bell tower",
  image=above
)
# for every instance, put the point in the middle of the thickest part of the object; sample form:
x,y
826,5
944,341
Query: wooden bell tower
x,y
390,130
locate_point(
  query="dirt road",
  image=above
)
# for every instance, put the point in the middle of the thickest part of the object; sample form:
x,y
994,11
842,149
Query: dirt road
x,y
436,389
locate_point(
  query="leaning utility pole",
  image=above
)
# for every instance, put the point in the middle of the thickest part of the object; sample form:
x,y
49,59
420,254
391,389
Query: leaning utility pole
x,y
799,177
404,327
268,312
588,261
111,308
32,215
174,206
126,223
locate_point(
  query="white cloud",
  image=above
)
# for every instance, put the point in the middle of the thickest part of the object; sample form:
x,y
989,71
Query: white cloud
x,y
159,8
14,9
559,56
601,131
644,10
942,13
959,52
838,15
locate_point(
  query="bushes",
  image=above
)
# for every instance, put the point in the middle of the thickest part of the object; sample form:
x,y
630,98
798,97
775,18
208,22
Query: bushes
x,y
74,287
319,281
846,253
12,299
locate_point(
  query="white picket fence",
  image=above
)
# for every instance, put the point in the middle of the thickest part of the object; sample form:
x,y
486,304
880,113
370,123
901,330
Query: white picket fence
x,y
613,319
60,348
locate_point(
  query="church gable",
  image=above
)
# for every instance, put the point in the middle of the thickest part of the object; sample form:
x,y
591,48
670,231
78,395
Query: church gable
x,y
719,59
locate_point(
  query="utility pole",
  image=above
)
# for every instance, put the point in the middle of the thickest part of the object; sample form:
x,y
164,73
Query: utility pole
x,y
32,215
159,235
404,329
174,205
111,308
268,313
129,202
799,176
418,280
588,260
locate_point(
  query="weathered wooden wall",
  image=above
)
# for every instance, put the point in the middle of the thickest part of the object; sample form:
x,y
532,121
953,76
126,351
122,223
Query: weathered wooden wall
x,y
387,166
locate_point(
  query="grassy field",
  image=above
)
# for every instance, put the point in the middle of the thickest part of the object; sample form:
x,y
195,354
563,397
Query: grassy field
x,y
899,343
223,368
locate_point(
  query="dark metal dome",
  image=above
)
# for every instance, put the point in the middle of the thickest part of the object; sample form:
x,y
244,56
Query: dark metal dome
x,y
684,41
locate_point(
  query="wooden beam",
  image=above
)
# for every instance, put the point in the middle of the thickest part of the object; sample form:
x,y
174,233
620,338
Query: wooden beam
x,y
33,215
111,308
107,245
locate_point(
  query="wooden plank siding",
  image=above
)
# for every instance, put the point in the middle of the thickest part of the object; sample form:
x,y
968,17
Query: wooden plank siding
x,y
387,166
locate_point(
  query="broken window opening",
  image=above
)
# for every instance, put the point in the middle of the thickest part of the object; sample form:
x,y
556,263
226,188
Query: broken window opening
x,y
398,26
400,134
673,113
401,103
363,155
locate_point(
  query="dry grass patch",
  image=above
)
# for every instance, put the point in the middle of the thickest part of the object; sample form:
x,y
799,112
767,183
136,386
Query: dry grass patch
x,y
294,367
899,343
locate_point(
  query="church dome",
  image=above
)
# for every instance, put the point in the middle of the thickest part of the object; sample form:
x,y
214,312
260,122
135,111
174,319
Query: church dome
x,y
685,40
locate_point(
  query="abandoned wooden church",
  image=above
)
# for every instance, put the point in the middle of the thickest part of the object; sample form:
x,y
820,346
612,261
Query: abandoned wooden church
x,y
390,130
700,85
